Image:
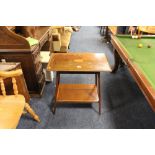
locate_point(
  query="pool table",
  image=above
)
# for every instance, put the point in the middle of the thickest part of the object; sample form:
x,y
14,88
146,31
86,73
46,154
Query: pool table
x,y
140,61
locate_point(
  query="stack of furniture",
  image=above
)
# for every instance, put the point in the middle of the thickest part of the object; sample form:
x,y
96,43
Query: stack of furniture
x,y
61,36
12,106
15,47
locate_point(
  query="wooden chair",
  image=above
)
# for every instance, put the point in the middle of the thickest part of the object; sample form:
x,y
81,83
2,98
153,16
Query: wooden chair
x,y
146,29
12,106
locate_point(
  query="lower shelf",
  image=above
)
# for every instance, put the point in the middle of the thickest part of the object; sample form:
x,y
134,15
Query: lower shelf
x,y
77,93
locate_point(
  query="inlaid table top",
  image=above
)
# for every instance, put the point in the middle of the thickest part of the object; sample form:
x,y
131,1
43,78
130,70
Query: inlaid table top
x,y
82,62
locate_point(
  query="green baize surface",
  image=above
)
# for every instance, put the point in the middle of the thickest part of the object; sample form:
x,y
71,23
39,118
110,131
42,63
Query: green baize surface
x,y
143,57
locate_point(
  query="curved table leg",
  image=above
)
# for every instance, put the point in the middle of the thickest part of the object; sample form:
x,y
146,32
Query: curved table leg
x,y
117,60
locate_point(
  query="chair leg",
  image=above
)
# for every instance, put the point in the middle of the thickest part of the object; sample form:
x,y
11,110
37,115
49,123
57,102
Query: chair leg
x,y
24,112
31,112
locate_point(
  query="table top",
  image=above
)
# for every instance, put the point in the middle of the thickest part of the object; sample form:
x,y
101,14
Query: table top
x,y
78,62
143,58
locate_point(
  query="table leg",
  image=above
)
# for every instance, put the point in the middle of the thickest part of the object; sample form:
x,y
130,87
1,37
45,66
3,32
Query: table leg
x,y
107,35
99,91
56,91
96,80
117,61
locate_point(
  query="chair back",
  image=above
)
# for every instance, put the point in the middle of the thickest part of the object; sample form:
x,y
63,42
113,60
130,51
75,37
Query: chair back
x,y
9,74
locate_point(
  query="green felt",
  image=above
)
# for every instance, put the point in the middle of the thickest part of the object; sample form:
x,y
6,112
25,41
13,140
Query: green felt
x,y
143,57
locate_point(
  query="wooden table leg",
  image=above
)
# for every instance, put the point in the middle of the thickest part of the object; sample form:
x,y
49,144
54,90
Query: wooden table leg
x,y
107,35
99,91
117,62
56,91
96,79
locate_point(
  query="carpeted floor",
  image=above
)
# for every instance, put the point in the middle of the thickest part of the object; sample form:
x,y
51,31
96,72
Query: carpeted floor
x,y
123,104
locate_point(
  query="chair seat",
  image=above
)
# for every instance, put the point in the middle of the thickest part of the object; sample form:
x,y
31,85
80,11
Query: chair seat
x,y
11,109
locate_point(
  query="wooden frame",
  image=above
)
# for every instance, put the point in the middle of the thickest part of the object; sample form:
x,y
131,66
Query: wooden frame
x,y
97,94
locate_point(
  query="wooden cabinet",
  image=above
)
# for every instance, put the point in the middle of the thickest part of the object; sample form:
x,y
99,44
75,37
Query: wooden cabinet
x,y
15,48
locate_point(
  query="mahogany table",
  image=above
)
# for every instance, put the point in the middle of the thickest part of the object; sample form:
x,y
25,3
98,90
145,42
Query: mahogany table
x,y
78,63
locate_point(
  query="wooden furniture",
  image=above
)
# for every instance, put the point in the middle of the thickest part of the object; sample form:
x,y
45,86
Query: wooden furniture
x,y
14,47
78,63
140,61
146,29
12,106
61,36
8,66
